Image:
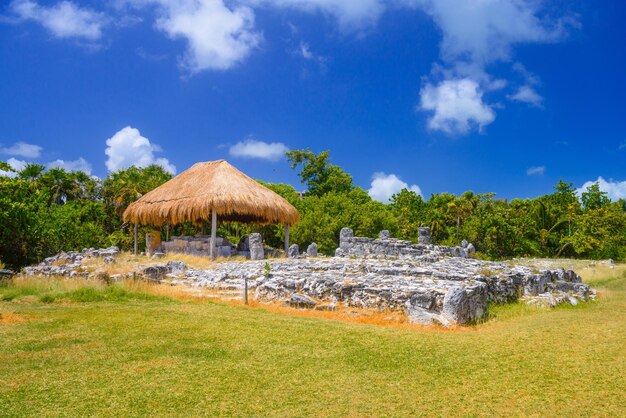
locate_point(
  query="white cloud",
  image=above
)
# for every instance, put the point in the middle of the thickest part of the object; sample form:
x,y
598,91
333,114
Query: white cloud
x,y
22,149
457,106
622,146
476,34
484,31
218,37
536,171
350,14
63,20
127,147
384,186
252,148
17,165
76,165
304,50
614,189
527,94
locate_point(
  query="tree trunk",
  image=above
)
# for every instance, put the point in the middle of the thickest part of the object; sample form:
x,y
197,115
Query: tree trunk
x,y
213,234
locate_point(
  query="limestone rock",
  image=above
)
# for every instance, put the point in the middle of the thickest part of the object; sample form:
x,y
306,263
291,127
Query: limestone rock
x,y
102,276
456,305
244,243
423,235
256,247
345,233
6,275
294,251
311,250
301,301
384,234
155,272
176,266
326,307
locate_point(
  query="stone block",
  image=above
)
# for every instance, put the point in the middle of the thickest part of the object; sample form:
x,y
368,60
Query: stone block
x,y
311,250
294,251
256,247
423,235
224,251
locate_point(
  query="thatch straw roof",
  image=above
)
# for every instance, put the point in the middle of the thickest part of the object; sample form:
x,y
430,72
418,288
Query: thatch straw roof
x,y
208,186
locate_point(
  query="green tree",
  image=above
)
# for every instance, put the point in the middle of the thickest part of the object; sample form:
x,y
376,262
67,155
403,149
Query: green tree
x,y
594,198
409,210
318,174
31,172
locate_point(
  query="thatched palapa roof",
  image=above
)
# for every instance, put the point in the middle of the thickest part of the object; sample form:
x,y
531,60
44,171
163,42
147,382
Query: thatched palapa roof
x,y
208,186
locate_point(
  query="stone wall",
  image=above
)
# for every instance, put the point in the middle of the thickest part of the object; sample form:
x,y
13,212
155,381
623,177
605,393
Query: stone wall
x,y
197,245
387,247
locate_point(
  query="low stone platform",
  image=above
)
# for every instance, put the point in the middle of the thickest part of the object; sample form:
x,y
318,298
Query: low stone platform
x,y
431,288
450,290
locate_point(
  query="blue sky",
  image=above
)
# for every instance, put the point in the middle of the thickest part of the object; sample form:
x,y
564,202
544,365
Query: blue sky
x,y
438,96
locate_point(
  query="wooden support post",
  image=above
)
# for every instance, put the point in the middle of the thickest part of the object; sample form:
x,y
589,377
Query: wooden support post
x,y
167,232
286,238
135,236
213,234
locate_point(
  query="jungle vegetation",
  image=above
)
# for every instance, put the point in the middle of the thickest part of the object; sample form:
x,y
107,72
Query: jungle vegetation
x,y
45,211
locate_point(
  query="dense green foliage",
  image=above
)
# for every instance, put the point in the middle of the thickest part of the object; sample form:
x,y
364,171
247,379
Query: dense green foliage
x,y
43,212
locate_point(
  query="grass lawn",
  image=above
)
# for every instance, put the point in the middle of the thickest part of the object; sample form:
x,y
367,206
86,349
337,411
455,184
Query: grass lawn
x,y
95,350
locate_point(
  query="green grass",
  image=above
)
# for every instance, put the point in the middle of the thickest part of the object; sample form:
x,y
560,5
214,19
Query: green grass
x,y
102,350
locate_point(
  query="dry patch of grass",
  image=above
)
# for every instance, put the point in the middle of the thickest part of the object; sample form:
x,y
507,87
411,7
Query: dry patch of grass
x,y
10,317
127,262
602,272
342,313
32,289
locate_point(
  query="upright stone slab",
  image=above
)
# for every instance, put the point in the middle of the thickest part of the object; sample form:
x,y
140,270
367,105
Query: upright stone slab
x,y
294,251
384,234
256,247
344,238
311,250
153,242
423,235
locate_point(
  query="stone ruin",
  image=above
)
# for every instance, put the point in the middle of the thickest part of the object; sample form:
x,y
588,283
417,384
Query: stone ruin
x,y
250,246
386,247
430,284
198,245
